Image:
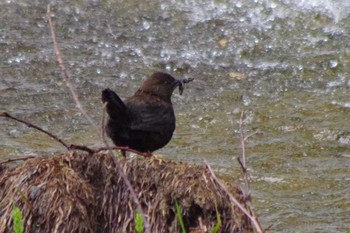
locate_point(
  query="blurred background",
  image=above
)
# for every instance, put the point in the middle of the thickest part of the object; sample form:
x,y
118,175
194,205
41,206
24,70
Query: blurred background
x,y
285,63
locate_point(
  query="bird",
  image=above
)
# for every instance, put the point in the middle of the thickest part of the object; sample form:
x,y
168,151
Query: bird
x,y
146,121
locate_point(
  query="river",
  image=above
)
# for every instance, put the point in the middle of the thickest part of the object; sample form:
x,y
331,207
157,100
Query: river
x,y
284,63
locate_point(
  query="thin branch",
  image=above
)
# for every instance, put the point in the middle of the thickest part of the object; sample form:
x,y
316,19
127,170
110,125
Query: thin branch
x,y
81,109
242,141
103,131
82,148
5,114
18,159
242,166
73,146
243,163
66,75
233,200
269,227
257,132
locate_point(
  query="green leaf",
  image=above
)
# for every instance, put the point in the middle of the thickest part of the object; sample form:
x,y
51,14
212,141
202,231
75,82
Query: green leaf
x,y
179,216
18,226
138,222
218,223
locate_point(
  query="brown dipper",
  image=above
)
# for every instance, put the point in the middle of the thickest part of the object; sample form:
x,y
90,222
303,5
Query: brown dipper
x,y
145,121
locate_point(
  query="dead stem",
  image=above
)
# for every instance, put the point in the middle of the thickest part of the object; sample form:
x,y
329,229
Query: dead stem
x,y
70,147
18,159
5,114
243,163
66,75
248,212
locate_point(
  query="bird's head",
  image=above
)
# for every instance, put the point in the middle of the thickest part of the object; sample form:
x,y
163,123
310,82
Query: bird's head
x,y
162,85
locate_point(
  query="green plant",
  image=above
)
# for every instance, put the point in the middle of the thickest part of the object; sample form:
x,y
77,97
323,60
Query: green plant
x,y
17,220
217,226
179,216
138,222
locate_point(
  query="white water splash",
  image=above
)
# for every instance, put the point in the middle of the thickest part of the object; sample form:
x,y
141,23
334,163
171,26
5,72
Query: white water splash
x,y
338,9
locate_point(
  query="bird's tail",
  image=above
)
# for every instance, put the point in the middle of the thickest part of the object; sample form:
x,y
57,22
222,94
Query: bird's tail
x,y
114,105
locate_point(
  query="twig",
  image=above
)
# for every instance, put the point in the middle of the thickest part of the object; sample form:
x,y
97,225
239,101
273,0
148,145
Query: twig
x,y
18,159
66,75
103,131
66,145
81,109
187,80
257,132
5,114
73,146
242,160
182,82
269,227
242,141
82,148
233,200
242,166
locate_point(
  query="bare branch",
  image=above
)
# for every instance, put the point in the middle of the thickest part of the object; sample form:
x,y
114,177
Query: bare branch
x,y
233,200
18,159
73,146
242,166
81,109
5,114
242,161
257,132
242,140
66,75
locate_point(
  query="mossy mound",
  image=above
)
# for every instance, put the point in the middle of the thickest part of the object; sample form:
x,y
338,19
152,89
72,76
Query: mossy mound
x,y
76,192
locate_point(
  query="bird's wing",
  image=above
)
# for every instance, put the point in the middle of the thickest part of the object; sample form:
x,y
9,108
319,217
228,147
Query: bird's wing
x,y
157,117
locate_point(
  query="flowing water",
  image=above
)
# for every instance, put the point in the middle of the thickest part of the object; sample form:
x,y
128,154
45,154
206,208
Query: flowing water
x,y
284,63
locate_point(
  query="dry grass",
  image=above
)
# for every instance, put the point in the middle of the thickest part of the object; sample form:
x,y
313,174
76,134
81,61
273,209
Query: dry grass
x,y
76,192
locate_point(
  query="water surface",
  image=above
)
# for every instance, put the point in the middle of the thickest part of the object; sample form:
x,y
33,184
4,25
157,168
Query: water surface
x,y
284,63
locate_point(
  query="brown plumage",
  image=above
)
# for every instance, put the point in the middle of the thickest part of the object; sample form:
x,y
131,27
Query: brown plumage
x,y
145,121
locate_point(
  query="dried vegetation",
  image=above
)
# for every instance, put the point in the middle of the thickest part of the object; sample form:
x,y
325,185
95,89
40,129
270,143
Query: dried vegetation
x,y
79,192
